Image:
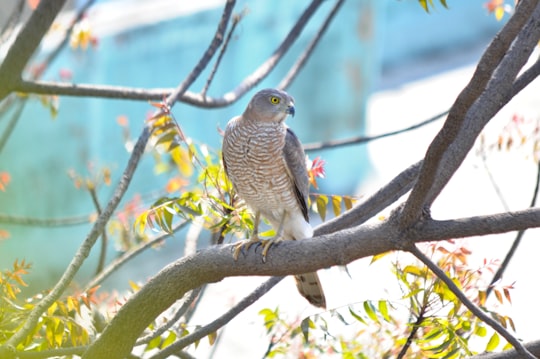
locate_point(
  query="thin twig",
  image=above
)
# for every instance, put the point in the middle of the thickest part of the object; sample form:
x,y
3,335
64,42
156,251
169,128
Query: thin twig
x,y
412,334
498,275
363,139
104,239
12,122
236,19
219,322
470,305
306,54
190,298
45,222
127,256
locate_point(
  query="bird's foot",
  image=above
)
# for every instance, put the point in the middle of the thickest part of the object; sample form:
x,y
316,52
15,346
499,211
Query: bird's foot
x,y
267,243
239,247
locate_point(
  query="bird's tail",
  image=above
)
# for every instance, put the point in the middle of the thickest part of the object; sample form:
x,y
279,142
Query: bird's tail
x,y
309,286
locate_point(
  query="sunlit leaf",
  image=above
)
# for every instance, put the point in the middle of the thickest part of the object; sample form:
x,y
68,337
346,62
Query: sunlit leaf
x,y
370,311
212,338
383,309
321,202
336,205
379,256
356,316
493,342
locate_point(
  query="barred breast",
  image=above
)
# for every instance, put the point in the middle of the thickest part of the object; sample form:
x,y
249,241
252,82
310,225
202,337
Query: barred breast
x,y
253,153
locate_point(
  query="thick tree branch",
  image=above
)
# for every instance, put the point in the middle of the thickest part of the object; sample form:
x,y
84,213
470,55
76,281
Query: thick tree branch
x,y
384,197
533,347
425,191
26,43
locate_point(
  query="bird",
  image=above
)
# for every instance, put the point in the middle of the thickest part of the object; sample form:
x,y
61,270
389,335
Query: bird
x,y
266,164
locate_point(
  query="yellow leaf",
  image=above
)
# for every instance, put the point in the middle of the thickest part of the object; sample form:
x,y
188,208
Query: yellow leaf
x,y
499,13
378,256
493,342
212,338
181,159
336,205
321,203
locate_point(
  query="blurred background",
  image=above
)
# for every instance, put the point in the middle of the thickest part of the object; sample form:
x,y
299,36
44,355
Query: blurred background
x,y
382,65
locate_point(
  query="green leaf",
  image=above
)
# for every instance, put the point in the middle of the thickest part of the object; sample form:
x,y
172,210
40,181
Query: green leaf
x,y
493,342
356,316
370,311
480,331
154,343
383,309
169,340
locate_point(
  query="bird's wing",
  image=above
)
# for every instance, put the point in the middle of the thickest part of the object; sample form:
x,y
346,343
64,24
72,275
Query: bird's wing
x,y
297,170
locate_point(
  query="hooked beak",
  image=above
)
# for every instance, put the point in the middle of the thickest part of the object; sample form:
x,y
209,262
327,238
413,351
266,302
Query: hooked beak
x,y
290,110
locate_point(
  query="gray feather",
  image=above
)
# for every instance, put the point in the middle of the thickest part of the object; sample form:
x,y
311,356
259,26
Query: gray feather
x,y
296,166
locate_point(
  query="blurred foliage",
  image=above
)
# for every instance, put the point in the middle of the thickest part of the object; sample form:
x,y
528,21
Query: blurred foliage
x,y
65,323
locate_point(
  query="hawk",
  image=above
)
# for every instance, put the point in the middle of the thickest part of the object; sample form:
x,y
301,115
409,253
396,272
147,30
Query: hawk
x,y
266,164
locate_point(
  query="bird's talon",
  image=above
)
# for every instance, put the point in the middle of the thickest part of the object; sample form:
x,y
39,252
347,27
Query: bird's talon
x,y
239,247
266,246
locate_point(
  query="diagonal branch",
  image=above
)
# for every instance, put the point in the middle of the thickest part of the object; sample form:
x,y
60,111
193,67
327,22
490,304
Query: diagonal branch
x,y
26,43
301,61
384,197
219,322
424,191
470,305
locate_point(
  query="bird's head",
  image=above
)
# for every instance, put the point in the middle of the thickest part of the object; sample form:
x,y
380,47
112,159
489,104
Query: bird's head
x,y
270,105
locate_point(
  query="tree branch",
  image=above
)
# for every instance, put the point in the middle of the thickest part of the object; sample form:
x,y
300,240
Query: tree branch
x,y
219,322
533,347
493,58
302,59
498,275
26,43
384,197
44,222
363,139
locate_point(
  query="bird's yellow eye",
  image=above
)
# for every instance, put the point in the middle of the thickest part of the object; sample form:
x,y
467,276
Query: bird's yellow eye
x,y
275,100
